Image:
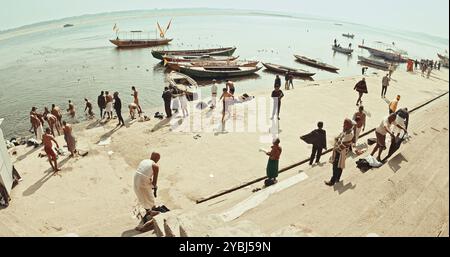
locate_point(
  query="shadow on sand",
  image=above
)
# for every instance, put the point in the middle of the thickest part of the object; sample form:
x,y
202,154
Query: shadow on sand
x,y
48,174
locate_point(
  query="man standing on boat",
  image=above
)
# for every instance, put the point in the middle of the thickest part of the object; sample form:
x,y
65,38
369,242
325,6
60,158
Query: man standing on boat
x,y
213,94
101,102
136,99
167,97
384,85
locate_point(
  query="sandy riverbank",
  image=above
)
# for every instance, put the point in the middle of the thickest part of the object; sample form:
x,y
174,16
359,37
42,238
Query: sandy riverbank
x,y
93,195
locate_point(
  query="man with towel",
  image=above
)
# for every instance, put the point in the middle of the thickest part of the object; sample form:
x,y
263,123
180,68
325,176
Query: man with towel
x,y
145,185
318,138
342,145
361,88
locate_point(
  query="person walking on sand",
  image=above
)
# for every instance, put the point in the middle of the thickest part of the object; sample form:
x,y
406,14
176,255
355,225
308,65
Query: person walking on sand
x,y
213,94
69,138
286,79
89,108
273,162
277,82
136,99
118,109
167,97
277,95
318,138
47,139
361,88
393,105
391,70
71,109
428,72
384,85
381,131
145,185
226,98
291,80
341,147
360,118
109,105
52,123
101,102
184,104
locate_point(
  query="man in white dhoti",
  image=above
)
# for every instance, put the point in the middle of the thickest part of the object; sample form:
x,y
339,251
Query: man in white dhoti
x,y
145,185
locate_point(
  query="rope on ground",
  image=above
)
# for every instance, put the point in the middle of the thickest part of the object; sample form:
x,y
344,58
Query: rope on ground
x,y
302,162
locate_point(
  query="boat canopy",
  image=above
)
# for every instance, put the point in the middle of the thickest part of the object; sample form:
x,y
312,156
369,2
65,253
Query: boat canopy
x,y
136,35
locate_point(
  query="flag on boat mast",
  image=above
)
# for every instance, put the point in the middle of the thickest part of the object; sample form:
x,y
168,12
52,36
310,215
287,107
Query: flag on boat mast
x,y
161,32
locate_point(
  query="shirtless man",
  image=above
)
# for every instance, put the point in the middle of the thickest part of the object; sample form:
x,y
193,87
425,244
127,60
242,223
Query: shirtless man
x,y
47,139
145,186
226,96
381,131
71,109
133,107
57,112
52,123
89,108
136,99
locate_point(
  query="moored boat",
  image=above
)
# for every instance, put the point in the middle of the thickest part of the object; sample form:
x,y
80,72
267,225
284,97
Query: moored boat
x,y
389,55
242,63
342,49
217,71
315,63
225,51
374,62
183,83
136,39
348,35
181,58
284,69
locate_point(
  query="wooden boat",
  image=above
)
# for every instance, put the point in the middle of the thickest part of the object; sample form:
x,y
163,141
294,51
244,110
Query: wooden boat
x,y
183,83
342,49
140,43
315,63
374,62
180,58
348,35
387,55
176,65
68,25
226,51
218,72
284,69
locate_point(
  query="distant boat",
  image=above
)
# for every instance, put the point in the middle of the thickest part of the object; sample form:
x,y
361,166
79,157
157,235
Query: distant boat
x,y
226,51
374,62
348,35
180,58
342,49
68,25
284,69
135,39
218,72
389,55
338,24
315,63
183,83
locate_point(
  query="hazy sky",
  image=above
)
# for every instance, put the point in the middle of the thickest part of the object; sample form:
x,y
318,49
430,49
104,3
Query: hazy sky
x,y
428,16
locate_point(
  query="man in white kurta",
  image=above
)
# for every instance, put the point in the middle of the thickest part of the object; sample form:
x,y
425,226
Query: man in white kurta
x,y
145,183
